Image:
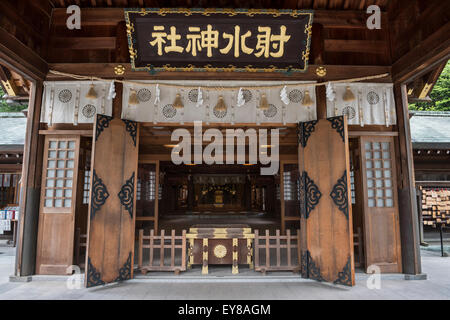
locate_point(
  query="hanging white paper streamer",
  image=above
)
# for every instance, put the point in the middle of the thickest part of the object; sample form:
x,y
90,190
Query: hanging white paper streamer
x,y
361,108
284,96
199,97
77,105
155,117
52,104
112,91
331,94
157,94
102,110
232,115
240,98
386,109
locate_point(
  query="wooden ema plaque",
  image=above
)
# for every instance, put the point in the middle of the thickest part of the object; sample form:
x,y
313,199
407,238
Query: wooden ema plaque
x,y
220,244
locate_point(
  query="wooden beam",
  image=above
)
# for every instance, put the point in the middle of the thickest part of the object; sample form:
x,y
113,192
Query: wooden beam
x,y
84,133
8,82
14,16
362,46
83,43
106,70
112,16
372,133
420,60
23,59
431,81
10,168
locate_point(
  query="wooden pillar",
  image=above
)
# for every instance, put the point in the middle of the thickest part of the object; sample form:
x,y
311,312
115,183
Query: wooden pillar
x,y
122,53
317,50
321,98
409,226
122,56
31,186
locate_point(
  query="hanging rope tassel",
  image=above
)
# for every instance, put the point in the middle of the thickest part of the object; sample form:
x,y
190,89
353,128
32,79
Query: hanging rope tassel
x,y
133,100
178,104
263,104
307,101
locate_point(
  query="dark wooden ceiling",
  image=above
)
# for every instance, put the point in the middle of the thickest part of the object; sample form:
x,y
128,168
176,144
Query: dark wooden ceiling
x,y
157,140
273,4
412,30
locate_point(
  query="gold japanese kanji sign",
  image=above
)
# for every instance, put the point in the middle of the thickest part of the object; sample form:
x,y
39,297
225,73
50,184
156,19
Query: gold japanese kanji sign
x,y
219,39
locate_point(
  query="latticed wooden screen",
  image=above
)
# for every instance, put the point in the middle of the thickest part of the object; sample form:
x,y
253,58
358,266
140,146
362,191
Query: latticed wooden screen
x,y
60,163
378,160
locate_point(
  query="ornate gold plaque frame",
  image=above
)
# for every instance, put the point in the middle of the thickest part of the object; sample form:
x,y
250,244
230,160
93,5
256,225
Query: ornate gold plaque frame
x,y
223,11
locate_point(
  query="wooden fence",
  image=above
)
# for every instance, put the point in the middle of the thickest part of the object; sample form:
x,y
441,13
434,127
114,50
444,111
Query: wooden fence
x,y
285,257
156,246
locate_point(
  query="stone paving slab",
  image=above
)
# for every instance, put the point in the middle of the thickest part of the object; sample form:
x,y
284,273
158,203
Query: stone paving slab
x,y
436,287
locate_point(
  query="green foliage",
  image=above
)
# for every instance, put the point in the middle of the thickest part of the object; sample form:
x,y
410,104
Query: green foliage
x,y
440,94
4,107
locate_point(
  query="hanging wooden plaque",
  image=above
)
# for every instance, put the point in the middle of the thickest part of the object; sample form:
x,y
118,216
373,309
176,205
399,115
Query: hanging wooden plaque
x,y
218,40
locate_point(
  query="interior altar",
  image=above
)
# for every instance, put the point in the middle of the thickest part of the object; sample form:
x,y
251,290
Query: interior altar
x,y
219,192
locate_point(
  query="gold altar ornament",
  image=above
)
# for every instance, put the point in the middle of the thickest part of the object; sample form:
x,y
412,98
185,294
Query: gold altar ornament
x,y
119,70
321,71
220,251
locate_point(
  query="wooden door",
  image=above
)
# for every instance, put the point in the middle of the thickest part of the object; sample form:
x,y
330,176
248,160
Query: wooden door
x,y
57,205
381,220
112,207
326,216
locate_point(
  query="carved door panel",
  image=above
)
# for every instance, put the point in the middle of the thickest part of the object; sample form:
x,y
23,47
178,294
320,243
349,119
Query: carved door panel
x,y
112,207
326,216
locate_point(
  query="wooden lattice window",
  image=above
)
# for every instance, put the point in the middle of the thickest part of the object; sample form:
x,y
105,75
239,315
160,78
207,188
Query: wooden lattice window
x,y
86,186
60,163
146,187
291,187
378,160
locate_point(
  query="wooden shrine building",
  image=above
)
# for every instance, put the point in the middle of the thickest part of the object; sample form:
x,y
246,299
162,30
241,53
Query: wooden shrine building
x,y
107,187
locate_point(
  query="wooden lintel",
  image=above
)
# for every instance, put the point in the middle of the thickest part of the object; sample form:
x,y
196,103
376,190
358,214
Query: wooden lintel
x,y
146,158
84,133
372,133
112,16
360,46
106,70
